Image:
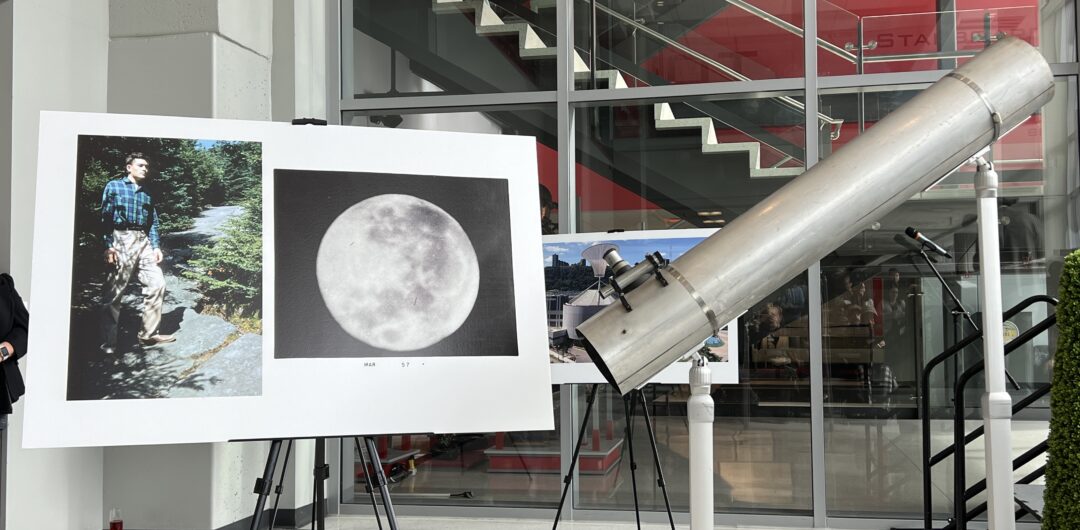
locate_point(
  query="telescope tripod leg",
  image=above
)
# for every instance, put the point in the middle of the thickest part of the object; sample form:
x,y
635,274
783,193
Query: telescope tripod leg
x,y
577,452
656,457
628,409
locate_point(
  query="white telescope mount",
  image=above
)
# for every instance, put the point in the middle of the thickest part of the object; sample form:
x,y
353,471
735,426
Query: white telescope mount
x,y
700,411
996,402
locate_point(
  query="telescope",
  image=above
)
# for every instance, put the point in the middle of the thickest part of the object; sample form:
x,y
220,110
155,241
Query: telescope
x,y
668,308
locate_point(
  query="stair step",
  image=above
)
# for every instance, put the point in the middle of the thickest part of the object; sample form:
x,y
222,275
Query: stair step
x,y
664,118
531,47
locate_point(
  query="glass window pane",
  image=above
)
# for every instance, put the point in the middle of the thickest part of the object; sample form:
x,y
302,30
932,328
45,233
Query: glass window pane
x,y
672,43
465,469
684,164
913,35
885,313
761,435
447,47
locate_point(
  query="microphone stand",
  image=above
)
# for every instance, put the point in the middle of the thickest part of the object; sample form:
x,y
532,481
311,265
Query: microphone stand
x,y
958,307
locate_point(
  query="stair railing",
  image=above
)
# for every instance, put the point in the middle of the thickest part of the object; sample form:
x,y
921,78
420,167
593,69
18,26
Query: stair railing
x,y
961,494
833,123
792,28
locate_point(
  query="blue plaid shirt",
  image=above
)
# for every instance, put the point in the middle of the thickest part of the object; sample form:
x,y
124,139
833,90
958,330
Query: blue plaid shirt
x,y
126,206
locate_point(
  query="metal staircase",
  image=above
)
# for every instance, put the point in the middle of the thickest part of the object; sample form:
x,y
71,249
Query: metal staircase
x,y
531,46
664,119
961,492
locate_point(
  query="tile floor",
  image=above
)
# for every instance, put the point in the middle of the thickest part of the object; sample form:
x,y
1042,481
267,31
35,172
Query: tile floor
x,y
762,466
345,522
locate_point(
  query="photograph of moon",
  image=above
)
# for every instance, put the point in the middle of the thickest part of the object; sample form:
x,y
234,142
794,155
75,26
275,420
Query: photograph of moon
x,y
422,289
390,265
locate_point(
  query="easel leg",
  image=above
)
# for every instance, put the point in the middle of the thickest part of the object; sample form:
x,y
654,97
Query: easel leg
x,y
656,457
380,479
263,484
280,484
628,409
322,472
577,451
367,481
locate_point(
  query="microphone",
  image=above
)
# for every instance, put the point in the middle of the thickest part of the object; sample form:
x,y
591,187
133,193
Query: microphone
x,y
906,243
914,234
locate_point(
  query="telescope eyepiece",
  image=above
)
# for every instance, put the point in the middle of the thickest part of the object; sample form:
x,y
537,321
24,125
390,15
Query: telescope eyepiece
x,y
616,262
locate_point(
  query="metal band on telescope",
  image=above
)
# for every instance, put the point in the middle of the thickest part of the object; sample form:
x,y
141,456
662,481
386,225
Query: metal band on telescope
x,y
709,314
994,116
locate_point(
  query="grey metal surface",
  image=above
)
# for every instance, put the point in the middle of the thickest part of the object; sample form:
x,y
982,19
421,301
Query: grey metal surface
x,y
447,102
819,485
565,117
817,396
915,146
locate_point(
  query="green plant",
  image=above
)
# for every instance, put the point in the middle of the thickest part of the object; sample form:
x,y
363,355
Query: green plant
x,y
228,271
1062,496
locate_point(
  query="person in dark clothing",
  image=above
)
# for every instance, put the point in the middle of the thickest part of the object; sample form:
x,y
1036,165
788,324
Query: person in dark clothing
x,y
14,325
547,205
1021,233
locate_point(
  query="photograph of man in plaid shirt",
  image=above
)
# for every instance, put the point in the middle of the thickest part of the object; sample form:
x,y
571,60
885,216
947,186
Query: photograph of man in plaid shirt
x,y
132,246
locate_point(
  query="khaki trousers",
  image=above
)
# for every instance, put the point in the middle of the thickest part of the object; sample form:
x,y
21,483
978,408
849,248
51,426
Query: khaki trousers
x,y
135,255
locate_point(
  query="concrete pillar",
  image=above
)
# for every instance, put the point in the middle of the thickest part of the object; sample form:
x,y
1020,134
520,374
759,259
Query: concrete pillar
x,y
58,56
6,14
201,58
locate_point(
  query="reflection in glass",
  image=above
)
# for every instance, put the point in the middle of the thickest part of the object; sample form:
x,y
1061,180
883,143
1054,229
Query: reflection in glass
x,y
917,35
466,469
683,164
668,43
761,434
449,47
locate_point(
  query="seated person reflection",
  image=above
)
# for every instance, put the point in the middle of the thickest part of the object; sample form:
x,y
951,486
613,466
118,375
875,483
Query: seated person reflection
x,y
1021,233
547,206
857,301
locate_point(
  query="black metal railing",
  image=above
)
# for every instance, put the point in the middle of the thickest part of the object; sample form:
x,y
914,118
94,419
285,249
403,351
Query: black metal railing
x,y
961,493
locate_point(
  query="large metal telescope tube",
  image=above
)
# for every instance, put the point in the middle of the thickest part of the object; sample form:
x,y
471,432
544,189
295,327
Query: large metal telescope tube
x,y
916,145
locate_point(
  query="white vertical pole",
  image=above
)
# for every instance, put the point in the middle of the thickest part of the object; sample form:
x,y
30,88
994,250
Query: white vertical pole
x,y
996,402
700,415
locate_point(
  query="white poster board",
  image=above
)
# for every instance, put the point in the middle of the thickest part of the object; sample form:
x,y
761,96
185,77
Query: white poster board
x,y
571,292
236,369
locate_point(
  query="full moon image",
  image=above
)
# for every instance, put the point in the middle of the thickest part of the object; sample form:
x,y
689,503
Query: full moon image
x,y
397,272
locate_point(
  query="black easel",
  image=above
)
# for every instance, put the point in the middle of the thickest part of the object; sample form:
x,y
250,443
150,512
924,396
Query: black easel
x,y
321,472
629,403
264,484
380,482
958,309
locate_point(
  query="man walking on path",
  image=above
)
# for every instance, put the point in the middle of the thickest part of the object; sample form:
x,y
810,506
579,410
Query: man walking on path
x,y
132,244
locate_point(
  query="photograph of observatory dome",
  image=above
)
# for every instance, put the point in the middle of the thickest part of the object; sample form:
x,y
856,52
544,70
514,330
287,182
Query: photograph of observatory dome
x,y
574,271
392,265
